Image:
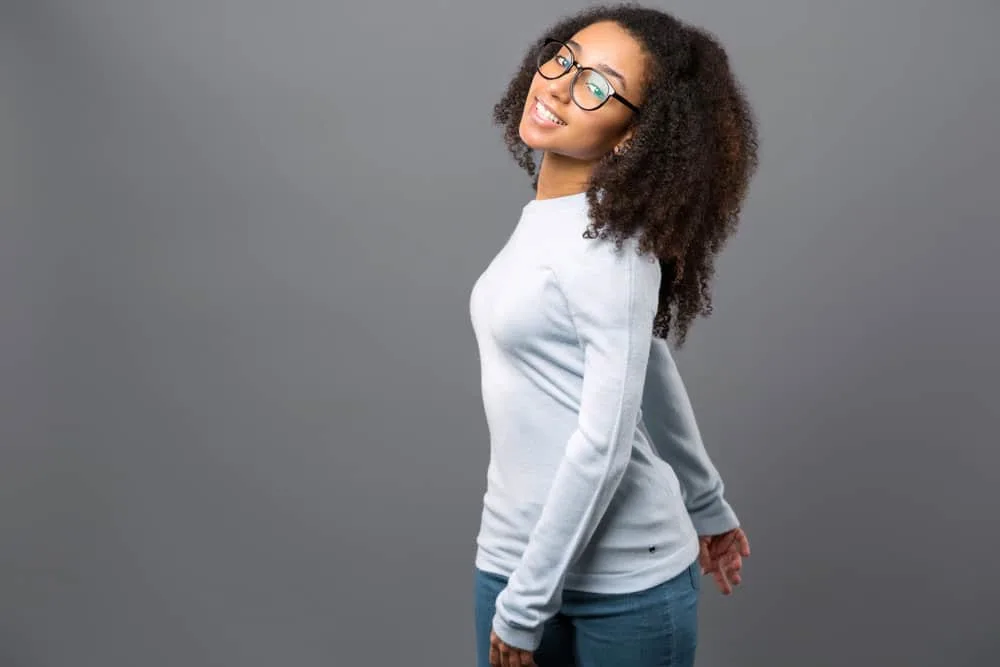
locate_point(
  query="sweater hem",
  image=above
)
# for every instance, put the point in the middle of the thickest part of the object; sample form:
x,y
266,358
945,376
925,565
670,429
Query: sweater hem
x,y
610,584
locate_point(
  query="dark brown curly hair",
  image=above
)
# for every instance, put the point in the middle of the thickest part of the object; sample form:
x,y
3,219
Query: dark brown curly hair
x,y
682,179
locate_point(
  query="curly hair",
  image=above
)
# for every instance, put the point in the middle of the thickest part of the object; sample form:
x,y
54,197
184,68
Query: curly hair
x,y
682,179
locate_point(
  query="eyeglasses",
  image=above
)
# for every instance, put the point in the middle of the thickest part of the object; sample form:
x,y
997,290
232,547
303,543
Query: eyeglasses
x,y
590,89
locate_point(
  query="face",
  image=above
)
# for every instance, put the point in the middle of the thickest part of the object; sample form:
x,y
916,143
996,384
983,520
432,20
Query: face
x,y
553,122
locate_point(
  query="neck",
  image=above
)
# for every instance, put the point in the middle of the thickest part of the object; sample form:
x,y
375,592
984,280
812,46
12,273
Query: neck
x,y
561,176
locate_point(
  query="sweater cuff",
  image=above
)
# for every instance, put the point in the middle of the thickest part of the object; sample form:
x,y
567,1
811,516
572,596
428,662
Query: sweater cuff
x,y
522,638
714,519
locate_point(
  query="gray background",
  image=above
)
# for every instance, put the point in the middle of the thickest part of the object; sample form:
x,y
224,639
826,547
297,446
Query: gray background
x,y
239,410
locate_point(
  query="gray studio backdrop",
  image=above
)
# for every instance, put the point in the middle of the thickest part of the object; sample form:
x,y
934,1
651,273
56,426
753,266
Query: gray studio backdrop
x,y
239,410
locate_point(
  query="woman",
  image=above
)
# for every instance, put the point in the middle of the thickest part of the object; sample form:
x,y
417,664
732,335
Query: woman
x,y
601,501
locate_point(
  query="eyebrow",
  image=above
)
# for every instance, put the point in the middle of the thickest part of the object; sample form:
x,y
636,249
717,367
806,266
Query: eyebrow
x,y
604,67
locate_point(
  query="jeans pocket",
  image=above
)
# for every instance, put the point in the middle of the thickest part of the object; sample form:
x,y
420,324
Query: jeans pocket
x,y
695,573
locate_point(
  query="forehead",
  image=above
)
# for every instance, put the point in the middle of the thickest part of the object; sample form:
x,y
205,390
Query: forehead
x,y
607,42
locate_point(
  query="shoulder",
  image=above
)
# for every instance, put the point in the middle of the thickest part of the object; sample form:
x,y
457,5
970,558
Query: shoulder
x,y
589,262
609,287
584,264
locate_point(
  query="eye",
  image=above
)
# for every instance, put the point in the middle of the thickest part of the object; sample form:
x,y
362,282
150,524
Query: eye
x,y
562,61
597,91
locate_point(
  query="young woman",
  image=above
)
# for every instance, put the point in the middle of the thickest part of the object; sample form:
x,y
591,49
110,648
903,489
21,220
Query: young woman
x,y
601,501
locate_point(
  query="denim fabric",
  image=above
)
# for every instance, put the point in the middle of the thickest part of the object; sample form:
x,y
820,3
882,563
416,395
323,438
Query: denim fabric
x,y
657,627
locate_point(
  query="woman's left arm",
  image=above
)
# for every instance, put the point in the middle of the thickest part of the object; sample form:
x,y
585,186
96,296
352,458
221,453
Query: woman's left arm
x,y
613,297
674,432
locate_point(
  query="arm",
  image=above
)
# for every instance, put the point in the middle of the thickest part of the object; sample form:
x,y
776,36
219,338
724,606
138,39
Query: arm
x,y
670,422
612,298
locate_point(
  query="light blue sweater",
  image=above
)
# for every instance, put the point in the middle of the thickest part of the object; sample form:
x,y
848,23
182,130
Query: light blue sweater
x,y
598,479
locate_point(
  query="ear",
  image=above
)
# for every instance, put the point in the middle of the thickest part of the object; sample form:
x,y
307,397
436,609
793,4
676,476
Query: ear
x,y
626,139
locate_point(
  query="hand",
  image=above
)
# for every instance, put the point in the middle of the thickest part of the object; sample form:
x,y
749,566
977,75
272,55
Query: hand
x,y
505,655
722,557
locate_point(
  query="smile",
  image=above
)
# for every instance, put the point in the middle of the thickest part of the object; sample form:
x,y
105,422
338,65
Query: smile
x,y
544,113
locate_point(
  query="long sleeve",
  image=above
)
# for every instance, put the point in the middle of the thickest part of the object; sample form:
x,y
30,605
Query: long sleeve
x,y
670,422
612,299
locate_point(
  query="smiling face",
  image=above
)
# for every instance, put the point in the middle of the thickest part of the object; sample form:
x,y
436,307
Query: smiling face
x,y
553,122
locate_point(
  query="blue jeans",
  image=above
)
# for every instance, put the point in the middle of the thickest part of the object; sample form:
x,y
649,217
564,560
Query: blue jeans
x,y
657,627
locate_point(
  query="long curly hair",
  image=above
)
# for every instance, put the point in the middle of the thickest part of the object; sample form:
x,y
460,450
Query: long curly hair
x,y
680,183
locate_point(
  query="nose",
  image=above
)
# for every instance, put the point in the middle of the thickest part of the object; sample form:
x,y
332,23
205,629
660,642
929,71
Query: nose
x,y
560,88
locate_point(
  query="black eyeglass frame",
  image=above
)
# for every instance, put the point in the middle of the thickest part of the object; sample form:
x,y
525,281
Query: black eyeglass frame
x,y
579,70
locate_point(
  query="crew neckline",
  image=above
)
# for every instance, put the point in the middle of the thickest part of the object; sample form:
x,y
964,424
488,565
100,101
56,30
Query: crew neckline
x,y
557,202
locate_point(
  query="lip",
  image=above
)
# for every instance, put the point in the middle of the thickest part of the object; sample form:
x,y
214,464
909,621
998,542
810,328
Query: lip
x,y
545,121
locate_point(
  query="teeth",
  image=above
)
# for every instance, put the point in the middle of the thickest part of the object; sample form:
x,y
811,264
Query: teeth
x,y
548,115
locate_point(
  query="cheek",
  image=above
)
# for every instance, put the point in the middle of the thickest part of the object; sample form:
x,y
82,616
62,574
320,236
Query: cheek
x,y
538,85
591,135
533,91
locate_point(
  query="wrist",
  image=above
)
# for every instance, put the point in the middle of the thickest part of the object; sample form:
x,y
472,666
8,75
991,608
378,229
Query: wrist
x,y
714,519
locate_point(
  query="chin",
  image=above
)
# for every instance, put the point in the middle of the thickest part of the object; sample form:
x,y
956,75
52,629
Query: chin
x,y
530,137
538,139
541,142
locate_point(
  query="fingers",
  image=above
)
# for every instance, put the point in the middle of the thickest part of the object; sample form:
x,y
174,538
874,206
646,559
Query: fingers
x,y
722,581
705,558
515,657
508,657
744,544
727,572
731,566
495,659
722,544
735,540
504,655
726,577
722,557
732,562
739,542
732,570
